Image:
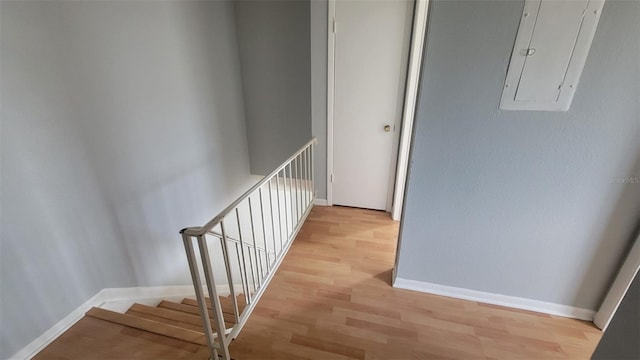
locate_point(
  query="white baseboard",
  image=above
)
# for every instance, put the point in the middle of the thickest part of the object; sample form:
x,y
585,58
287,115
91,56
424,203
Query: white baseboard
x,y
115,299
321,202
56,330
496,299
121,299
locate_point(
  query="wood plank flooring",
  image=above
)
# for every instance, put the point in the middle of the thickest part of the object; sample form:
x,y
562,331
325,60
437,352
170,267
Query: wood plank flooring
x,y
332,299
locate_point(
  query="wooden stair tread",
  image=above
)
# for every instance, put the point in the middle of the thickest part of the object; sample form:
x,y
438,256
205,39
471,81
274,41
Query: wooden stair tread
x,y
168,314
225,301
229,319
156,327
160,319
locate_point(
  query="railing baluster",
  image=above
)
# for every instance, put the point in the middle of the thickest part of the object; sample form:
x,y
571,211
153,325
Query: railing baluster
x,y
287,197
293,219
284,200
255,246
245,287
244,261
298,185
279,211
306,178
309,188
227,266
294,180
303,181
313,175
253,273
264,232
273,228
301,194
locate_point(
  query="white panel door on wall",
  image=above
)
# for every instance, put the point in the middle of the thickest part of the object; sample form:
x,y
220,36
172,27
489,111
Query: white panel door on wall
x,y
371,54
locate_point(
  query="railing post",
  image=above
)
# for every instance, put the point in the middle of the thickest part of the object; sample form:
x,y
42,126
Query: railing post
x,y
202,305
313,175
213,296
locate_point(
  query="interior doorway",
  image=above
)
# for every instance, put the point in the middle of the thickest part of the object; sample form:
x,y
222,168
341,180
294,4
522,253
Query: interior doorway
x,y
369,44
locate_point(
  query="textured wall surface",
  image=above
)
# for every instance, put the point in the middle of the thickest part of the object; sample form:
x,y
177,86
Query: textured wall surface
x,y
274,43
538,205
122,122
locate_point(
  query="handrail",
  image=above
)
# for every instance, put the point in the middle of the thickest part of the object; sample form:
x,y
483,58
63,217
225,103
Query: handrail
x,y
236,241
250,253
198,231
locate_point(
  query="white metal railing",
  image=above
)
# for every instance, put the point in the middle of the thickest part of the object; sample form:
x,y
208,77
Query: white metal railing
x,y
248,240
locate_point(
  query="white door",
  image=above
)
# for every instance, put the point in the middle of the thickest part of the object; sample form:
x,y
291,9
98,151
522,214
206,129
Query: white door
x,y
371,55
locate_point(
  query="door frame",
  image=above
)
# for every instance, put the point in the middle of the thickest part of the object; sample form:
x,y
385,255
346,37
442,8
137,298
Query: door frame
x,y
331,74
619,287
400,165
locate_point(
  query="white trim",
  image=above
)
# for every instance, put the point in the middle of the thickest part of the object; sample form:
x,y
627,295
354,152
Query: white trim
x,y
131,293
411,94
106,298
619,288
331,62
56,330
121,299
321,202
496,299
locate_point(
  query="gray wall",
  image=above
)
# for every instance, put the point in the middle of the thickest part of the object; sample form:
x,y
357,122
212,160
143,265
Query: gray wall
x,y
319,11
274,44
122,122
521,203
620,340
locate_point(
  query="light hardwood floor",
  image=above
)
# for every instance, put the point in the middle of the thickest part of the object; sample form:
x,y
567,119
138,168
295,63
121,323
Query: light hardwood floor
x,y
332,299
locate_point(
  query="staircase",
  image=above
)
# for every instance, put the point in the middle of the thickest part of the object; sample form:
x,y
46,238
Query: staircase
x,y
244,244
178,320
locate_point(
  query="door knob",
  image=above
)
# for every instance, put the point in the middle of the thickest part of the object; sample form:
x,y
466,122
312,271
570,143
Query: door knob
x,y
387,128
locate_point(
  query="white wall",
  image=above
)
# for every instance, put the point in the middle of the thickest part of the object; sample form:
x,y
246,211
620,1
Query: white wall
x,y
122,122
274,46
538,205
